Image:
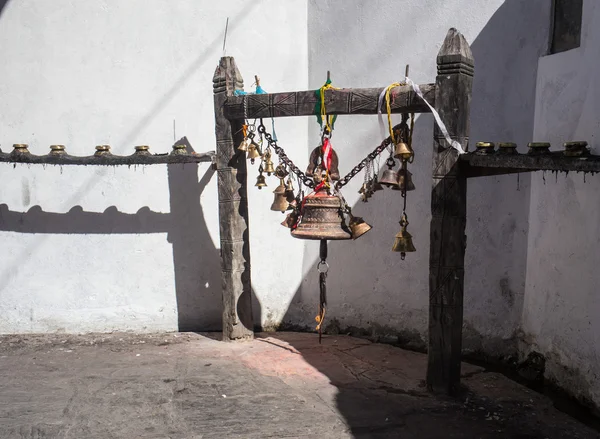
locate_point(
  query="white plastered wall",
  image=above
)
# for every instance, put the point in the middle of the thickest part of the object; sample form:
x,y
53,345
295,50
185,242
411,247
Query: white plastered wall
x,y
562,301
130,73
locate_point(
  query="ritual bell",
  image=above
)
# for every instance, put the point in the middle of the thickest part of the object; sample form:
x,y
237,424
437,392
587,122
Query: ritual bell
x,y
269,168
403,151
244,145
389,178
321,218
404,181
358,227
253,152
290,220
280,203
403,242
260,181
289,191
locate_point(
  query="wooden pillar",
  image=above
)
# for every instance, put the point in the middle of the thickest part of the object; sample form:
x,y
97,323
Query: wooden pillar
x,y
448,216
233,209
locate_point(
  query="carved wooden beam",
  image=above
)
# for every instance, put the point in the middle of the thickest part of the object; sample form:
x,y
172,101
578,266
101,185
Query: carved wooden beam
x,y
343,101
106,159
493,164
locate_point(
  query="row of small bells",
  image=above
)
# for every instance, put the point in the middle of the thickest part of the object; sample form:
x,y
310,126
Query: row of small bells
x,y
320,215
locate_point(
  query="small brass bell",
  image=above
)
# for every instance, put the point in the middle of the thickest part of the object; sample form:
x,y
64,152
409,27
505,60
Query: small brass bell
x,y
260,181
365,192
405,181
269,168
293,204
358,227
289,191
244,145
290,220
389,178
280,203
403,242
403,151
253,152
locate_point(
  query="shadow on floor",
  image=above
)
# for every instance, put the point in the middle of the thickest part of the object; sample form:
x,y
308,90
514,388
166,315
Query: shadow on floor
x,y
380,394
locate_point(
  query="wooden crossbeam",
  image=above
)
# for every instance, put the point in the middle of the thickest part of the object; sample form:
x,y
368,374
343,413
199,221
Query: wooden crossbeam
x,y
106,160
342,101
494,164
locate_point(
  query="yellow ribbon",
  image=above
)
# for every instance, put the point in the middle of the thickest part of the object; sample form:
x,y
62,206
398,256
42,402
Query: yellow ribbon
x,y
324,118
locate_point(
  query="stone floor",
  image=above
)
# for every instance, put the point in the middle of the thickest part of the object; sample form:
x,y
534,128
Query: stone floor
x,y
281,385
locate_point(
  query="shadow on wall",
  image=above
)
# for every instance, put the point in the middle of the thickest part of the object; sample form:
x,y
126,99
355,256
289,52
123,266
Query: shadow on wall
x,y
502,110
2,5
506,53
195,258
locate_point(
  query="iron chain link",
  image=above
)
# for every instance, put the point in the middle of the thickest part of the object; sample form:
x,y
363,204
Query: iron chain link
x,y
308,181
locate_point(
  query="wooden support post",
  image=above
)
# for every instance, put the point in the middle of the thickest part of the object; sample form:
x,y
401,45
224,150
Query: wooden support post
x,y
448,215
233,209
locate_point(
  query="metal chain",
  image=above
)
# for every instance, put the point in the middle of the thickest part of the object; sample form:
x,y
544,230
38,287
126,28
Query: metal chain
x,y
308,181
350,175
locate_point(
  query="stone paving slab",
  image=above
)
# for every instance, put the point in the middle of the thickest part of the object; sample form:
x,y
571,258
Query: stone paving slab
x,y
280,385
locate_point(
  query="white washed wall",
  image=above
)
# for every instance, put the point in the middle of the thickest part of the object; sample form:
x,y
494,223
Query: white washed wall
x,y
129,73
562,301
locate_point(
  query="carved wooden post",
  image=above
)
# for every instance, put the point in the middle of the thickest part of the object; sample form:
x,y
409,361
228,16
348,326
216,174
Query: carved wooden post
x,y
233,209
448,211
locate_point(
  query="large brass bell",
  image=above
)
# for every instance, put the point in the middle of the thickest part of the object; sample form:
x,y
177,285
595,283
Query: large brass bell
x,y
404,181
280,203
403,151
322,218
358,227
269,168
403,242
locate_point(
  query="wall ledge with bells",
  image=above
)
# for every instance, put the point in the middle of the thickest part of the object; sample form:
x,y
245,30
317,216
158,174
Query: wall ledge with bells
x,y
486,160
103,156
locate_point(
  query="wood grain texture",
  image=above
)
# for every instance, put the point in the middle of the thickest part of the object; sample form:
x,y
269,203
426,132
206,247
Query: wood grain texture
x,y
343,101
107,160
233,209
448,216
485,165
